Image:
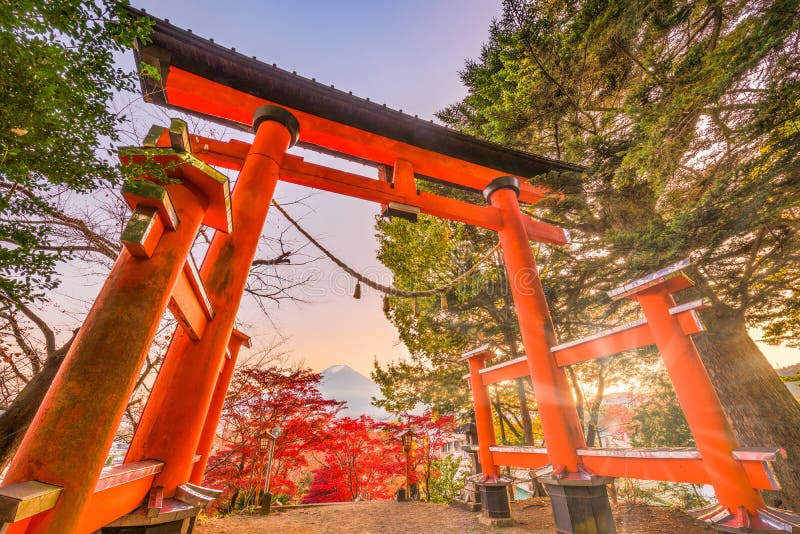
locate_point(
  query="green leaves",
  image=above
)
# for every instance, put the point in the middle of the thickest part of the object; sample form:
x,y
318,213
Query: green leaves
x,y
428,254
57,77
149,71
659,422
686,114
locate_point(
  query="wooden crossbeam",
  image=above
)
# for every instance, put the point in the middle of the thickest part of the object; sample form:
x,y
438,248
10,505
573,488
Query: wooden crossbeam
x,y
197,94
119,475
144,194
188,169
681,464
196,495
626,337
297,171
142,232
202,78
171,510
671,277
509,370
237,336
119,489
226,154
189,302
26,499
153,212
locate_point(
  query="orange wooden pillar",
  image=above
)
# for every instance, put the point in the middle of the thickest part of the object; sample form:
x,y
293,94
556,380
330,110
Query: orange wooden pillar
x,y
68,441
712,433
484,424
173,419
569,485
217,403
557,411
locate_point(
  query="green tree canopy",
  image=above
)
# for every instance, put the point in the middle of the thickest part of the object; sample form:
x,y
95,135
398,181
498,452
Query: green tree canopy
x,y
57,78
659,421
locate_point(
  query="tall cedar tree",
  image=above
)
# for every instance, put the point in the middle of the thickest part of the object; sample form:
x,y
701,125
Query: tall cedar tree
x,y
57,78
686,115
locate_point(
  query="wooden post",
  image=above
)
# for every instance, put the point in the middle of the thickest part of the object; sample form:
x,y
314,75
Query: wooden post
x,y
560,424
712,433
173,420
67,442
217,402
484,424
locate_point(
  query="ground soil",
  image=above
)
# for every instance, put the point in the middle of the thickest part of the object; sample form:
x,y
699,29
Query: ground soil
x,y
390,517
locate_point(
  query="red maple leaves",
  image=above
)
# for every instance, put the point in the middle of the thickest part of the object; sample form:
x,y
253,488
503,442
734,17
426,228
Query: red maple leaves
x,y
318,457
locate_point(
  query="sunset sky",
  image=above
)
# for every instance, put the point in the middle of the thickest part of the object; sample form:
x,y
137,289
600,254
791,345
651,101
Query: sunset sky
x,y
405,54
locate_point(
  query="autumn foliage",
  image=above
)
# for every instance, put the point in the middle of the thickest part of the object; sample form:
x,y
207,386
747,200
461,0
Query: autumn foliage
x,y
318,457
258,401
359,463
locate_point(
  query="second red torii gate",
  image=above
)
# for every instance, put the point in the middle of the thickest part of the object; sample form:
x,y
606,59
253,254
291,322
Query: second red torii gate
x,y
735,473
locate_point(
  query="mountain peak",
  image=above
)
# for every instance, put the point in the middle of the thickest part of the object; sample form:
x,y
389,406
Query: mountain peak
x,y
343,383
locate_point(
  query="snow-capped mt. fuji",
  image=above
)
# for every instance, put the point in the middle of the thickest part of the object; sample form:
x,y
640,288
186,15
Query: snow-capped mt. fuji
x,y
343,383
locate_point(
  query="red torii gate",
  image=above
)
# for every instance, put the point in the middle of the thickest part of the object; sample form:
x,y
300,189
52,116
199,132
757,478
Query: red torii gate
x,y
57,483
735,473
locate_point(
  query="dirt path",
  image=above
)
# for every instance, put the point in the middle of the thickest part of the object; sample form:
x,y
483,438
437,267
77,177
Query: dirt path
x,y
389,517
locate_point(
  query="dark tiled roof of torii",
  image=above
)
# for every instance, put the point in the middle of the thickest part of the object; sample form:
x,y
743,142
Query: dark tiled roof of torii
x,y
205,58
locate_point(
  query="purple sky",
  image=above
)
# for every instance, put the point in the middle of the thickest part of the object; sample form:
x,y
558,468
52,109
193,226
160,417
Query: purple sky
x,y
405,54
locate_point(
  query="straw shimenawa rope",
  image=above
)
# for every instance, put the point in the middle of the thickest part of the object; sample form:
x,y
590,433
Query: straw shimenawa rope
x,y
380,287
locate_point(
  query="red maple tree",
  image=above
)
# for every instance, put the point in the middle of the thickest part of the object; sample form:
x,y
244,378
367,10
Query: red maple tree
x,y
358,463
343,459
431,433
258,401
364,459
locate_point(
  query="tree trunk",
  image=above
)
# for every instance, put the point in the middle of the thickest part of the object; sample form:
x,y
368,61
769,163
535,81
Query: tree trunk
x,y
759,406
594,407
525,414
511,340
428,482
499,410
579,400
14,422
234,498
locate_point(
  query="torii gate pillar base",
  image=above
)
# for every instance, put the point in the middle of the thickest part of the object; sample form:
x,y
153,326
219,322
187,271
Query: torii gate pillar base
x,y
181,526
494,501
765,520
580,505
495,521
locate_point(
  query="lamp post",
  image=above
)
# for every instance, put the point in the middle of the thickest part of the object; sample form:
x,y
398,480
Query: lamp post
x,y
407,438
272,435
